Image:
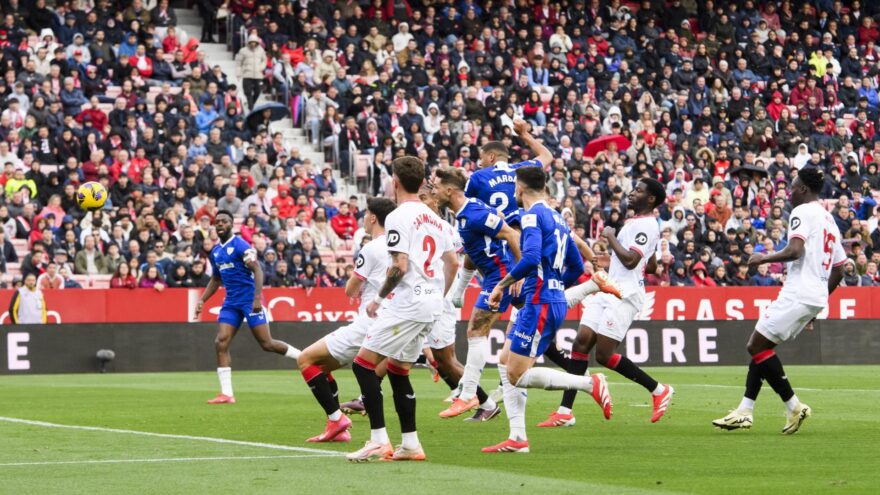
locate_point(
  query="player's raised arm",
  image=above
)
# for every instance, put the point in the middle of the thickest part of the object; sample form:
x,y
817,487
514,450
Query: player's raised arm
x,y
542,154
629,257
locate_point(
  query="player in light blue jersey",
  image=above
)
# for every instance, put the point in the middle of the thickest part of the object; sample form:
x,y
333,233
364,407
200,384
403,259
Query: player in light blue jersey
x,y
236,268
493,246
550,261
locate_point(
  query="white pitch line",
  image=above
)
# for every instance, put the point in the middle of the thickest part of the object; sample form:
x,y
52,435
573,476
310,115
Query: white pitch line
x,y
169,435
710,385
171,459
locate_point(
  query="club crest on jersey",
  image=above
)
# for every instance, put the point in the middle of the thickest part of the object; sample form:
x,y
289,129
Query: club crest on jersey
x,y
229,250
641,239
795,223
360,261
393,238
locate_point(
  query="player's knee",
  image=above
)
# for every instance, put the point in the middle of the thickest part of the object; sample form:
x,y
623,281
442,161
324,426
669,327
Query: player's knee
x,y
513,376
753,348
602,357
221,342
304,360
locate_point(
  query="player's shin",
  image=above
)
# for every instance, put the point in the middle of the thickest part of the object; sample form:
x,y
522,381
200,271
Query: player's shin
x,y
371,390
577,366
225,376
319,384
404,404
473,368
550,379
514,405
576,294
770,367
630,370
753,387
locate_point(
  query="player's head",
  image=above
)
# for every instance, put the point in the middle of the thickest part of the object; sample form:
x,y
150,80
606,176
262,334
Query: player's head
x,y
30,281
530,181
223,224
426,195
647,195
377,210
448,182
408,173
493,152
807,185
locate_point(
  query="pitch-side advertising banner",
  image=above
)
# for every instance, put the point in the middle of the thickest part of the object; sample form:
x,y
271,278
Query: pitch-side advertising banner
x,y
332,305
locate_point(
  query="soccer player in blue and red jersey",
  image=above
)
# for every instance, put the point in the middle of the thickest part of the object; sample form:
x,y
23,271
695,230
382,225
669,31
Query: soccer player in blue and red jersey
x,y
492,246
550,260
493,185
235,267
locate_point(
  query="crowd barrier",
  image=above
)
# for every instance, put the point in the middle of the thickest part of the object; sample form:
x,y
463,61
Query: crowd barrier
x,y
332,305
151,347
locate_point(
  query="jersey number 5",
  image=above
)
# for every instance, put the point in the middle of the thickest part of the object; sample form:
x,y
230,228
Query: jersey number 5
x,y
828,248
430,246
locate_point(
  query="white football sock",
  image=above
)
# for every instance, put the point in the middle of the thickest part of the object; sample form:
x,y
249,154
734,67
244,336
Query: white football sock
x,y
514,406
462,280
410,440
489,405
336,416
550,379
225,376
792,403
473,368
379,435
659,389
746,404
563,410
292,352
576,294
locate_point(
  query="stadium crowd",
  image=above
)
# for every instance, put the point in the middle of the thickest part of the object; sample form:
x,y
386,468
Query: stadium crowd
x,y
721,101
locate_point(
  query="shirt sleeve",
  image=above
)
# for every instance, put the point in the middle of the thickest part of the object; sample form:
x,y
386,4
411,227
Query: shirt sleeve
x,y
487,223
531,247
397,236
796,225
361,266
528,163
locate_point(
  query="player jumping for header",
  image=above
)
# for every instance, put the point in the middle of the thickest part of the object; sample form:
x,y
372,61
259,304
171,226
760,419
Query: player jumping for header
x,y
235,267
816,259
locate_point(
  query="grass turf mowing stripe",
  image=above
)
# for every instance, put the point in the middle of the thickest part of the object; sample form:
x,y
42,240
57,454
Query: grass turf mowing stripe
x,y
45,424
171,459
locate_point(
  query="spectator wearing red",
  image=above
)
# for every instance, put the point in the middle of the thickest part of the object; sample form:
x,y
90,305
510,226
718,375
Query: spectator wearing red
x,y
284,202
142,62
774,109
700,277
344,223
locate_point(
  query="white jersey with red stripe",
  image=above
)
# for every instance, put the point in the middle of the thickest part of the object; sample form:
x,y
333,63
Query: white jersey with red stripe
x,y
639,234
807,278
415,230
371,266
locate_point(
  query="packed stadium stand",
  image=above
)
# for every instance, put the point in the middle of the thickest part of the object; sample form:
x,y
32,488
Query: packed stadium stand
x,y
289,115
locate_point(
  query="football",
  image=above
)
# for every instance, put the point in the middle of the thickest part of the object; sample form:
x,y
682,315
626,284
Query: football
x,y
91,196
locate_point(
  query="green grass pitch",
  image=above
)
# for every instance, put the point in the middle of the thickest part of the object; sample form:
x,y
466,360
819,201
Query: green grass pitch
x,y
837,451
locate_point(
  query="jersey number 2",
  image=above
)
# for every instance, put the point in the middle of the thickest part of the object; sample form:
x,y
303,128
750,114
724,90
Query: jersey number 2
x,y
430,246
499,201
828,248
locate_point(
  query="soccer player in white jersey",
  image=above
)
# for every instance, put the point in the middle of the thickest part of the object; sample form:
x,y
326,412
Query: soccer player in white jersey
x,y
423,265
339,348
816,257
606,319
